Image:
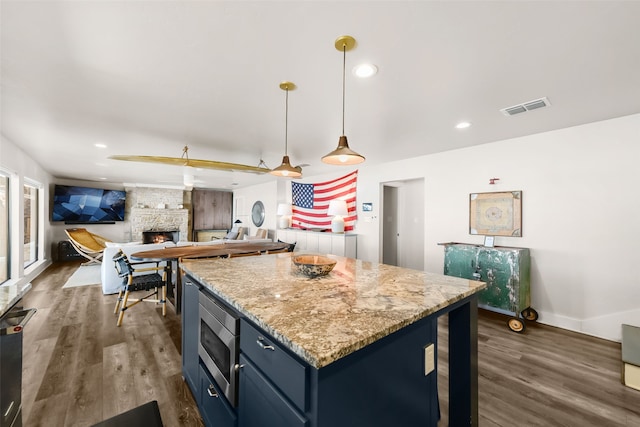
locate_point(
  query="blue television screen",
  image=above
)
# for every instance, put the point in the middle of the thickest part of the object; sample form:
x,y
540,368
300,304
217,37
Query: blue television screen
x,y
87,205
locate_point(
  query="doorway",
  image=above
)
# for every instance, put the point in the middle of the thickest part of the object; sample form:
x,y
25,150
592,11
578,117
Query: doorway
x,y
403,223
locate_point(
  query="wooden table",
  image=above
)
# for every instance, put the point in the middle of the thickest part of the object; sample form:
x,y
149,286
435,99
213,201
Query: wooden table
x,y
175,253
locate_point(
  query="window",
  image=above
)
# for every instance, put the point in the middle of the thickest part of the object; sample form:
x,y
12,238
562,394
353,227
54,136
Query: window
x,y
30,224
4,227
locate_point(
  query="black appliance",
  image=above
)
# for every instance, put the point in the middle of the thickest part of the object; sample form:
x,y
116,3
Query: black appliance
x,y
11,326
219,344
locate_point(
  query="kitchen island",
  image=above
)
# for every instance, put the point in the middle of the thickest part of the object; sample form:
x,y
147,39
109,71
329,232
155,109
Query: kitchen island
x,y
358,345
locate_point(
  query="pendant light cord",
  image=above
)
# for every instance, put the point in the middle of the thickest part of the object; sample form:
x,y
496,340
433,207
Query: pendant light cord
x,y
286,121
344,66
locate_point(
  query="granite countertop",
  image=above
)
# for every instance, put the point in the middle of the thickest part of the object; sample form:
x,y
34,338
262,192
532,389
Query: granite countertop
x,y
326,318
11,294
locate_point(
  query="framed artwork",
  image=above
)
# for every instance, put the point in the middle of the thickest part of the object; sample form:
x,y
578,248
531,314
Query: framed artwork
x,y
367,207
496,214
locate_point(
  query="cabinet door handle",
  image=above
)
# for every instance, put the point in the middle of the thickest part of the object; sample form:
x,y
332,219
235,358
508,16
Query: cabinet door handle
x,y
265,347
6,414
211,391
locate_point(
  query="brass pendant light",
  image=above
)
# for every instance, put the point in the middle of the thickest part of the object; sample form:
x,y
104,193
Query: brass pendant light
x,y
343,155
285,169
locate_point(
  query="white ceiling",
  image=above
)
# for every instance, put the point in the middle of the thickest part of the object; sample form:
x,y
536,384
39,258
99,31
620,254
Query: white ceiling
x,y
148,77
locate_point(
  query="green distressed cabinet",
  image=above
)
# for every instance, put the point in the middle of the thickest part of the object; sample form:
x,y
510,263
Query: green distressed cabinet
x,y
505,270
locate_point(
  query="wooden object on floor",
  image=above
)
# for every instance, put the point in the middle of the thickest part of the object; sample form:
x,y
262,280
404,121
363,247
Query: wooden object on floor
x,y
140,282
89,245
147,415
631,356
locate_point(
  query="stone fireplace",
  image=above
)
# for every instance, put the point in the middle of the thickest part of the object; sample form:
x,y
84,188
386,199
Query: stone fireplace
x,y
158,212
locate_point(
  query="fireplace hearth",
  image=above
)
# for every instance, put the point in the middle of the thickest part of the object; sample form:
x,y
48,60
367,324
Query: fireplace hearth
x,y
160,236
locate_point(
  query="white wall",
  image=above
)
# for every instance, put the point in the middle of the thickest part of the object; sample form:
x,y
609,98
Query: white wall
x,y
580,215
244,198
21,167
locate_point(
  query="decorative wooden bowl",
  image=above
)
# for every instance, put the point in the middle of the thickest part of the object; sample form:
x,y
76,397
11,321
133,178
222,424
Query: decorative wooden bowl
x,y
313,265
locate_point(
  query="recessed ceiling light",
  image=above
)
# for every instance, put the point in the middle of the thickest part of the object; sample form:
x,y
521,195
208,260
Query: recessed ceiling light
x,y
102,178
463,125
365,70
100,145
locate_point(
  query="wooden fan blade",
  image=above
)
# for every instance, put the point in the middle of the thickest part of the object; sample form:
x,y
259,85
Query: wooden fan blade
x,y
196,163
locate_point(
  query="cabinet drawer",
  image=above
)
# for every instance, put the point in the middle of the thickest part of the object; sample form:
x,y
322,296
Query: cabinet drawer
x,y
214,408
261,404
286,373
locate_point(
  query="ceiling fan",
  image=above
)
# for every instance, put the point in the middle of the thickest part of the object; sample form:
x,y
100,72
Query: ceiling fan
x,y
195,163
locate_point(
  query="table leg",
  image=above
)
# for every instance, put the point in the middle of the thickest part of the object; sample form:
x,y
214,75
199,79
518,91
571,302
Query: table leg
x,y
178,288
463,364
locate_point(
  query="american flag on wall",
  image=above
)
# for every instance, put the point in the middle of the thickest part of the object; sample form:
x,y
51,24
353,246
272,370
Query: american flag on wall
x,y
311,201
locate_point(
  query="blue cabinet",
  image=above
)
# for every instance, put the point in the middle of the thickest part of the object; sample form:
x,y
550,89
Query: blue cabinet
x,y
285,371
383,384
214,408
190,291
274,388
262,403
379,385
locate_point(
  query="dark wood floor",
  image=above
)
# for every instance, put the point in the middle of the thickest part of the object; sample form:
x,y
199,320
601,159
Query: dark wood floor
x,y
79,368
544,377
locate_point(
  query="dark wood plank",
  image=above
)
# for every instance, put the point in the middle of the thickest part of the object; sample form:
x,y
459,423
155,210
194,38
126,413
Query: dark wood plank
x,y
117,381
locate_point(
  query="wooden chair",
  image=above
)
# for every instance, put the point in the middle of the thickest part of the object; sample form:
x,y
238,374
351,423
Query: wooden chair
x,y
244,254
132,282
89,245
242,231
277,251
291,246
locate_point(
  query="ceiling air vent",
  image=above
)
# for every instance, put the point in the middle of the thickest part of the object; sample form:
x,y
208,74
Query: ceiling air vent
x,y
526,106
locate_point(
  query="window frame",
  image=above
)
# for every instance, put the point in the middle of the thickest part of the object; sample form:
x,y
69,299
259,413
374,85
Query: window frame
x,y
28,264
4,174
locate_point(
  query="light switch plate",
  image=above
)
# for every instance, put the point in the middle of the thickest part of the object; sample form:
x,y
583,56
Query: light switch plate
x,y
429,359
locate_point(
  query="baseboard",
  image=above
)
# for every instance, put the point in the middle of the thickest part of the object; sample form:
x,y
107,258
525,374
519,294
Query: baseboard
x,y
608,327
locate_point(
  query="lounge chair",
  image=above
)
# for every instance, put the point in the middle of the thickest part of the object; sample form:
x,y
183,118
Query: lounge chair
x,y
89,245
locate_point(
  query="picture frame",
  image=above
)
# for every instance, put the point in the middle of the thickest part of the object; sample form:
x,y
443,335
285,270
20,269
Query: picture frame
x,y
496,214
367,207
488,241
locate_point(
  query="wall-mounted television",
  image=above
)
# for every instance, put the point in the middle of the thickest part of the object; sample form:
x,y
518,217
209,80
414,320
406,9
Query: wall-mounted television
x,y
84,205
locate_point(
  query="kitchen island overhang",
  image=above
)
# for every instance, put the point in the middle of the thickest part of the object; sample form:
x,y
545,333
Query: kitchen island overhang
x,y
357,310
